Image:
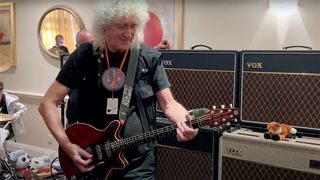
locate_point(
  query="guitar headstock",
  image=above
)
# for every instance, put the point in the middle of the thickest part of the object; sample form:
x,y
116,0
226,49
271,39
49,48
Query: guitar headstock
x,y
219,116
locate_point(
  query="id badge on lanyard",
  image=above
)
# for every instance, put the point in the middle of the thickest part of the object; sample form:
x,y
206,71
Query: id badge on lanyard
x,y
112,106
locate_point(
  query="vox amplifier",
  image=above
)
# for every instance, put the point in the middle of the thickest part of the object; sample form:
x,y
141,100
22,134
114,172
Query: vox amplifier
x,y
247,155
194,159
201,79
281,86
183,164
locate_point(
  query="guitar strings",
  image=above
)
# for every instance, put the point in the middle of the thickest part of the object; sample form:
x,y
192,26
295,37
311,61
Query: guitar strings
x,y
121,144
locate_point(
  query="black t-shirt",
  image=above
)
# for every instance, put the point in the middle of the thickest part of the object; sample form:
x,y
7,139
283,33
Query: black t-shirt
x,y
83,71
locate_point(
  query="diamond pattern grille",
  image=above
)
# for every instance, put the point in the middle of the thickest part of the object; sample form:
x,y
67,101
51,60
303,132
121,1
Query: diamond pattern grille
x,y
202,89
234,169
182,164
287,98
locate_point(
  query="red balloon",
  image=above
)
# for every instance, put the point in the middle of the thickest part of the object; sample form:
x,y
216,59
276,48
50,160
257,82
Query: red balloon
x,y
1,35
153,31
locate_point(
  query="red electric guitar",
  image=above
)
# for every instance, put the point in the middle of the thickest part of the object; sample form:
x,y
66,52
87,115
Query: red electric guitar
x,y
107,146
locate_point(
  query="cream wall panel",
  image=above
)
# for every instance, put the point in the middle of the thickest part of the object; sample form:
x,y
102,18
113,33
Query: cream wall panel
x,y
249,24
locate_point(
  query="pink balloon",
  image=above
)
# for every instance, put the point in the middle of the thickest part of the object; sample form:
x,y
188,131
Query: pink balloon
x,y
153,31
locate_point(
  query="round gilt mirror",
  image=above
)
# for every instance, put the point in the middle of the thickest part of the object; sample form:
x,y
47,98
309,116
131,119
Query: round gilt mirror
x,y
57,30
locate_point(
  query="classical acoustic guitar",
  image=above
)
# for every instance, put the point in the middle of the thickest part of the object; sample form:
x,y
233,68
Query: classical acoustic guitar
x,y
107,147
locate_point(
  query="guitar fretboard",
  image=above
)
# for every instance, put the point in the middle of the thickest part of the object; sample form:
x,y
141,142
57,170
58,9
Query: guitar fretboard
x,y
130,142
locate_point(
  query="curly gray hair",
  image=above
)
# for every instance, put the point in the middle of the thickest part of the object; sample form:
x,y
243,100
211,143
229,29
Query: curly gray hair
x,y
108,10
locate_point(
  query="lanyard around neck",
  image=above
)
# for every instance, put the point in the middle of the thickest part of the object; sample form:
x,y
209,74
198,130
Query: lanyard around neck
x,y
114,81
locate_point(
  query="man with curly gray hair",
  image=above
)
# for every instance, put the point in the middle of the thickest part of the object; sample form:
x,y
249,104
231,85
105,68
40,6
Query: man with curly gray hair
x,y
117,77
131,9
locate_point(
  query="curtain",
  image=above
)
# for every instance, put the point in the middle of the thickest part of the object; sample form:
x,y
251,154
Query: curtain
x,y
59,22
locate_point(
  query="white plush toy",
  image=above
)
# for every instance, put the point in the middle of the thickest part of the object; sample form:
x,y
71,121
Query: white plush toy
x,y
40,162
19,159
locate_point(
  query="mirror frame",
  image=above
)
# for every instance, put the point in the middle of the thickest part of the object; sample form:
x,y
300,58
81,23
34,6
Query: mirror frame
x,y
6,62
57,7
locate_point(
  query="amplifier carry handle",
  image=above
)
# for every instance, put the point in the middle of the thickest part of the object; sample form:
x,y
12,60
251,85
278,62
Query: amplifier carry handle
x,y
305,47
201,45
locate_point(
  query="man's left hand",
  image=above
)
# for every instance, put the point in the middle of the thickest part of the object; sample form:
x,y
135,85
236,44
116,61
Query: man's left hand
x,y
184,132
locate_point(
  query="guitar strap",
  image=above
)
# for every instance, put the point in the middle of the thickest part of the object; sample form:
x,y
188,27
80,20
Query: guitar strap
x,y
128,85
127,91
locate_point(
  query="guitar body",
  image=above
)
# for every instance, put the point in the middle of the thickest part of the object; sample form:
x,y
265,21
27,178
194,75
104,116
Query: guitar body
x,y
87,137
106,146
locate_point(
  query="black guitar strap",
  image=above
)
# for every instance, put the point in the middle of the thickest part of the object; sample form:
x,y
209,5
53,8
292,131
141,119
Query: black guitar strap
x,y
127,91
128,85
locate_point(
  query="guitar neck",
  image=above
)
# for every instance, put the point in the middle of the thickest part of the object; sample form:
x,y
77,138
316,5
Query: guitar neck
x,y
166,131
147,137
214,118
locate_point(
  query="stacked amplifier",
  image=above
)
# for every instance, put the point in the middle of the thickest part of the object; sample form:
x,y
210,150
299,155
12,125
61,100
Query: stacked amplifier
x,y
202,78
199,79
245,154
282,86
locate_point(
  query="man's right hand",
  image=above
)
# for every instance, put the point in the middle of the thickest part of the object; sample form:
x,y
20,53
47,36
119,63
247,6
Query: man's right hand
x,y
81,158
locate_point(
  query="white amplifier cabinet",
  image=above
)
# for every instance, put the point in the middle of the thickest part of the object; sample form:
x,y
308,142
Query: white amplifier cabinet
x,y
247,155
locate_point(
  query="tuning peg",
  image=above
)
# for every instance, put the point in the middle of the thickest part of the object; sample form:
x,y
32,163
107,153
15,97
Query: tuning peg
x,y
231,105
223,120
223,106
235,120
228,124
214,107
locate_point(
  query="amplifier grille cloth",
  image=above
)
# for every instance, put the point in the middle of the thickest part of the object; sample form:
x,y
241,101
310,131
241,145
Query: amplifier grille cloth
x,y
202,89
286,98
182,164
243,170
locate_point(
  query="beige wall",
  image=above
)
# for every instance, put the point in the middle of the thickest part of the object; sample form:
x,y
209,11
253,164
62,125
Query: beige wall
x,y
35,71
221,24
249,24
